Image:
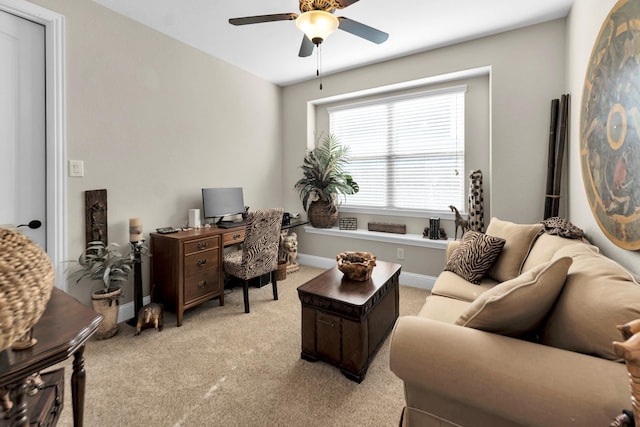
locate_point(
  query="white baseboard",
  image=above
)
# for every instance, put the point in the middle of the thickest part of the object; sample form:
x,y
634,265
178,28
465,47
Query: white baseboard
x,y
406,278
127,311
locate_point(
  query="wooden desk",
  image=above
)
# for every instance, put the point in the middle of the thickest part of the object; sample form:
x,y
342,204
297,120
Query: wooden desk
x,y
62,331
186,267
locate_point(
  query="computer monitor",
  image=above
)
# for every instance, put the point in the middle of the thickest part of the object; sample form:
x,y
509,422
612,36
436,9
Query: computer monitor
x,y
221,202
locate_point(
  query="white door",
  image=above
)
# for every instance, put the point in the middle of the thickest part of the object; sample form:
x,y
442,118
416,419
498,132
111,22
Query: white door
x,y
22,126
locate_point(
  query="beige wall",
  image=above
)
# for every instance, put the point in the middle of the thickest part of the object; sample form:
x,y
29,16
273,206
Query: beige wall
x,y
155,121
583,26
527,69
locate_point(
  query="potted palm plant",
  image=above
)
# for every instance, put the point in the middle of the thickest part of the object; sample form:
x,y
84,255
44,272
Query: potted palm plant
x,y
324,181
109,265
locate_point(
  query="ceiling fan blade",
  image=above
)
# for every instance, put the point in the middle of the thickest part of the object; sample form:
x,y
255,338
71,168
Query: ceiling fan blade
x,y
263,18
361,30
306,48
344,3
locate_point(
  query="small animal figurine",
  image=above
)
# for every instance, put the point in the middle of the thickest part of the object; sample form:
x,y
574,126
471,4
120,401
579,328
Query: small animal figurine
x,y
150,316
290,245
459,221
443,234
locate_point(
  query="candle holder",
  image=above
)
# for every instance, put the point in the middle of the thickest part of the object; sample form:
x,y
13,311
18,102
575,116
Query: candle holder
x,y
137,247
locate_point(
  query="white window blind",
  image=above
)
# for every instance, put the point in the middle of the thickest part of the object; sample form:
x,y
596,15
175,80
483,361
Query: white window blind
x,y
406,152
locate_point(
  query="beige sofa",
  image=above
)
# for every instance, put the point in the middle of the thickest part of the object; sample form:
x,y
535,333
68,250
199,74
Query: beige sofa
x,y
531,348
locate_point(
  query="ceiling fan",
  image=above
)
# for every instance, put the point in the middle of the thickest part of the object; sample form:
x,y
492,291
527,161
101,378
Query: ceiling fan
x,y
317,21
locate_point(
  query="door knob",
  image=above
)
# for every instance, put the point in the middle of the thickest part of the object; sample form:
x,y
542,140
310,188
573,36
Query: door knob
x,y
32,224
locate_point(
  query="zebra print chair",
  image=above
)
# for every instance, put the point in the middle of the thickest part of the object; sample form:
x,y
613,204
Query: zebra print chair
x,y
259,254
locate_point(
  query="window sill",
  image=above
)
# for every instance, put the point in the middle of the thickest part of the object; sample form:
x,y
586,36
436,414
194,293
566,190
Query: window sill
x,y
402,239
406,213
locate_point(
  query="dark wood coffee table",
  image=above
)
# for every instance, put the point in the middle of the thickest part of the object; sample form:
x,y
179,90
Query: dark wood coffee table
x,y
344,322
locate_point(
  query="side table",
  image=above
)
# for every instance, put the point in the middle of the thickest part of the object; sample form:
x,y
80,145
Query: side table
x,y
62,331
344,322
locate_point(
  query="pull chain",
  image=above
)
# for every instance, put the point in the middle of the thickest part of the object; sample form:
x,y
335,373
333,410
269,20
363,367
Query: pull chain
x,y
318,64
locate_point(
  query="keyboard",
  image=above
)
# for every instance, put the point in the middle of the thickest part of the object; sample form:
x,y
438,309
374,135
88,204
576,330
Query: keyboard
x,y
231,224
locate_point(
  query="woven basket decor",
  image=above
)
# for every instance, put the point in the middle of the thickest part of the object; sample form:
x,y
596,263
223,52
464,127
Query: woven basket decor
x,y
26,281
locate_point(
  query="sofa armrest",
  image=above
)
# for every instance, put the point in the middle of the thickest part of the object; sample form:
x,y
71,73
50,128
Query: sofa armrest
x,y
515,380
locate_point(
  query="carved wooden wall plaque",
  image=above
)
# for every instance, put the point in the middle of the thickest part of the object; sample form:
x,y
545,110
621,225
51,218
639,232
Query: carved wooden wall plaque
x,y
95,202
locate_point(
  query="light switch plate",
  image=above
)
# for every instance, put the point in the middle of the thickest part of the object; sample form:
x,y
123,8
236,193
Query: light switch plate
x,y
76,168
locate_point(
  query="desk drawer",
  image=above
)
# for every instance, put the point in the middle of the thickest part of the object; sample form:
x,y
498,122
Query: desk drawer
x,y
201,261
200,245
201,284
233,237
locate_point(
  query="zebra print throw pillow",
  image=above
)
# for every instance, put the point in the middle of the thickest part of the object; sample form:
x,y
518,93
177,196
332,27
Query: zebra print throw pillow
x,y
475,255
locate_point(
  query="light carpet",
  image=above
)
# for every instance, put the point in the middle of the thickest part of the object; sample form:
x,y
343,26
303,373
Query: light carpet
x,y
223,367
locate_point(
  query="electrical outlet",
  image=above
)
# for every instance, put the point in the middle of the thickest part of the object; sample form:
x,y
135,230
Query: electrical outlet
x,y
400,253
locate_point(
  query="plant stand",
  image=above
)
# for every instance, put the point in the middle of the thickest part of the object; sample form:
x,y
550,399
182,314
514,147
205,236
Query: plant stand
x,y
137,281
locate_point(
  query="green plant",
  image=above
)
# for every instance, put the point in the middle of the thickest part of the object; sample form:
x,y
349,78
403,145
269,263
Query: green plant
x,y
324,178
105,262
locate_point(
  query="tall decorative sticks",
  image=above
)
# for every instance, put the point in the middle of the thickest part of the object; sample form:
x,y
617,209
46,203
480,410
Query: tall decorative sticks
x,y
558,131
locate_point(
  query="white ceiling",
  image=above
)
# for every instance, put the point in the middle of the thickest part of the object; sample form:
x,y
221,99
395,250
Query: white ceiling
x,y
270,50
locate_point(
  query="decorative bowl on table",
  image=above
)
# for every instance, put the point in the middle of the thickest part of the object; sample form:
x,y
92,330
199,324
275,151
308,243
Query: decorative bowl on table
x,y
356,265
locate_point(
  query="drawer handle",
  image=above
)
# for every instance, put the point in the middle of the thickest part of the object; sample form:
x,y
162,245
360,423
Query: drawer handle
x,y
236,236
202,245
202,262
202,284
326,322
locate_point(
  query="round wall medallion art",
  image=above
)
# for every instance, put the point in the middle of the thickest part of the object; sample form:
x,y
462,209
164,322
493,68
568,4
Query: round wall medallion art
x,y
610,126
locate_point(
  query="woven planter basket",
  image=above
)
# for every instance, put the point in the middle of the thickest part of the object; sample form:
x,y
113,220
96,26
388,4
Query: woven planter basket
x,y
322,214
107,304
26,281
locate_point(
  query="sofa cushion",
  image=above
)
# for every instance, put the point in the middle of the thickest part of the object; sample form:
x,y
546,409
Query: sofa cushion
x,y
518,306
475,255
545,247
443,309
598,295
449,284
519,240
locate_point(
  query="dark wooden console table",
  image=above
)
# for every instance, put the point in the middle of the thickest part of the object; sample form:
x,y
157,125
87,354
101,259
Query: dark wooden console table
x,y
62,331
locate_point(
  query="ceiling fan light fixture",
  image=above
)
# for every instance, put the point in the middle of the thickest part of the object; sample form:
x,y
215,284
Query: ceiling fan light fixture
x,y
317,25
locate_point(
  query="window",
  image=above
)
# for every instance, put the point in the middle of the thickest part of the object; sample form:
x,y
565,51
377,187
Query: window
x,y
407,152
